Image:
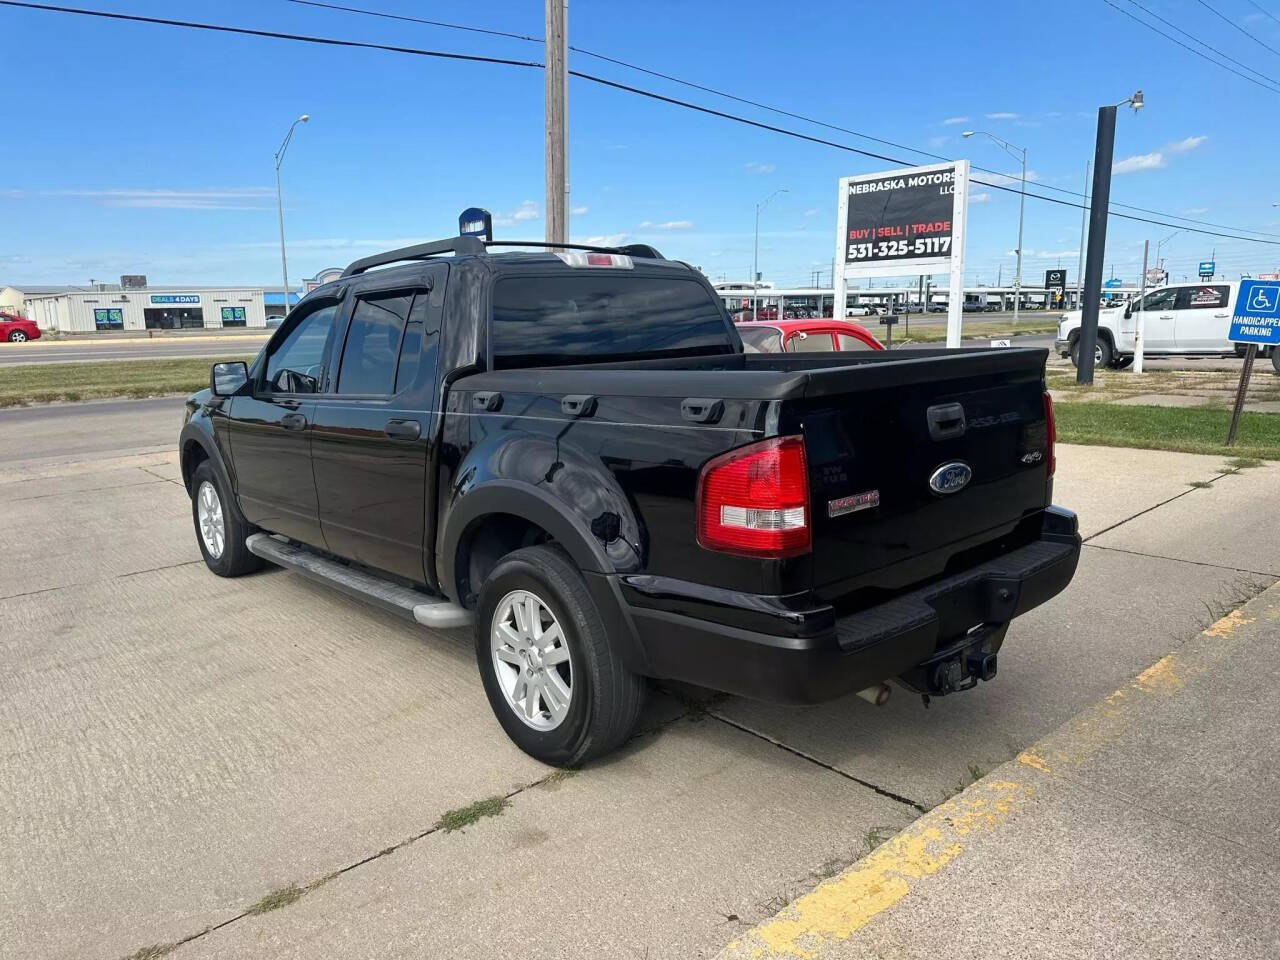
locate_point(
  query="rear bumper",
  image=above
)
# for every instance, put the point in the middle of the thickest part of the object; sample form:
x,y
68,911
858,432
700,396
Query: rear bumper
x,y
852,652
1062,348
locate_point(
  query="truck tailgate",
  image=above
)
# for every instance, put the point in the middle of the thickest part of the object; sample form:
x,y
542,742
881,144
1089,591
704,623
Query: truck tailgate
x,y
875,441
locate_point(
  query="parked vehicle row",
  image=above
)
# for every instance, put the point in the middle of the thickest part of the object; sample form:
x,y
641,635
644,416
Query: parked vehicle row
x,y
573,452
16,329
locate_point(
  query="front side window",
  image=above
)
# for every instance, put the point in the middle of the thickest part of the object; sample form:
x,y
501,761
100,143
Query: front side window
x,y
373,344
600,317
297,364
812,343
1161,299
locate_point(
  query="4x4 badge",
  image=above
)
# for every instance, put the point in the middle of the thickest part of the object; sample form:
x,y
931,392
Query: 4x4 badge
x,y
854,503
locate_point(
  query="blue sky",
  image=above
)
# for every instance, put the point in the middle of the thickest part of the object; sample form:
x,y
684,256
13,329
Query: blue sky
x,y
148,149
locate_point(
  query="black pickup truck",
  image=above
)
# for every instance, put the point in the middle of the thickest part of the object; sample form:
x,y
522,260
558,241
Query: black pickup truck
x,y
569,448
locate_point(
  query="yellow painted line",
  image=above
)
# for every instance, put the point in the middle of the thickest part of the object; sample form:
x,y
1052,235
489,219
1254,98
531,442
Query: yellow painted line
x,y
833,912
840,907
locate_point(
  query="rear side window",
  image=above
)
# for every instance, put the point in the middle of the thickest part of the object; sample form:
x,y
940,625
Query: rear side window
x,y
585,318
1204,298
848,341
420,343
373,344
819,342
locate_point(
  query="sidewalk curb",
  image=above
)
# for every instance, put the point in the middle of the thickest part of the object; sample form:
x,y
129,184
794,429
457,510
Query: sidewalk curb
x,y
833,912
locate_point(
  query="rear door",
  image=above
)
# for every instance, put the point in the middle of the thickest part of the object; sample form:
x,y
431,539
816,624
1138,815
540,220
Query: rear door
x,y
872,453
371,441
1203,318
270,430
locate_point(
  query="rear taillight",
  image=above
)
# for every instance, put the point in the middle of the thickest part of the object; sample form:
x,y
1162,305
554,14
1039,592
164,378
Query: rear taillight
x,y
1050,434
754,501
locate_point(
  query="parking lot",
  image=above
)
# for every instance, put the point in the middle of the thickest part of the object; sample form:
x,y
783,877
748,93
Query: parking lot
x,y
261,767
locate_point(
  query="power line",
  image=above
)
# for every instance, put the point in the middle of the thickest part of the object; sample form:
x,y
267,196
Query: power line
x,y
1263,9
772,109
638,91
1151,13
1228,20
1202,56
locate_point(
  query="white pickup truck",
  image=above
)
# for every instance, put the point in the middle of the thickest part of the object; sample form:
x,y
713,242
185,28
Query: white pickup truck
x,y
1183,319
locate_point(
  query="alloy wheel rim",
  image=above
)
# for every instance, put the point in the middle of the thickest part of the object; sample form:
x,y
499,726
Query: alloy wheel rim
x,y
209,515
19,336
531,662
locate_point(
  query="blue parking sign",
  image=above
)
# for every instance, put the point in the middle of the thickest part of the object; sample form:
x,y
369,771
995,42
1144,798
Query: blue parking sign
x,y
1257,314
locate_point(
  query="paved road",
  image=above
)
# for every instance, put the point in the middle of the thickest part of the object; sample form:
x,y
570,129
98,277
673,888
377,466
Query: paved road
x,y
78,351
177,746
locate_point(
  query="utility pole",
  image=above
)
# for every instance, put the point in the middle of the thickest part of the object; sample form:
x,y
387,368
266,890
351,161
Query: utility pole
x,y
557,109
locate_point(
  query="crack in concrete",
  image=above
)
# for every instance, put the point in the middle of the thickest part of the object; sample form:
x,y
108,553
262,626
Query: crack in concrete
x,y
897,797
1157,506
70,493
86,583
1198,563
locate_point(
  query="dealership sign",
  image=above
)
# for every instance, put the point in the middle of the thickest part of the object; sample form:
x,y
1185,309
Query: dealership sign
x,y
907,222
175,298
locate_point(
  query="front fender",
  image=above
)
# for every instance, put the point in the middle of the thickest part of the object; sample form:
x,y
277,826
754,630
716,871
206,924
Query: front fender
x,y
198,432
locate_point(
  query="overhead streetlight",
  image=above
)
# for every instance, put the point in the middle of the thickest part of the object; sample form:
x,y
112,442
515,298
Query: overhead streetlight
x,y
1014,152
1103,155
1159,262
284,269
755,257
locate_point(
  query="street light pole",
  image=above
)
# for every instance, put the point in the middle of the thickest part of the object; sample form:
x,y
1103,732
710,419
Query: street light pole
x,y
1160,262
1084,213
1014,152
1103,154
284,268
755,256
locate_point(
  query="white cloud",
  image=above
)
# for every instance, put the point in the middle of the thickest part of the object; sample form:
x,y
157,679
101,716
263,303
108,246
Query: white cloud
x,y
202,198
952,121
1141,161
604,240
525,212
755,166
668,225
1002,179
812,212
578,211
1189,143
979,198
1047,254
936,142
1195,211
1004,115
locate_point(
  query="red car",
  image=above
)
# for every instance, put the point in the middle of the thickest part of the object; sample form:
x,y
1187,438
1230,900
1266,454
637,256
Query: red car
x,y
806,336
17,329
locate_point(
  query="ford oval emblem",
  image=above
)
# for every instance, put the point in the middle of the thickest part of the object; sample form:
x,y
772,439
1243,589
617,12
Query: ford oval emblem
x,y
951,478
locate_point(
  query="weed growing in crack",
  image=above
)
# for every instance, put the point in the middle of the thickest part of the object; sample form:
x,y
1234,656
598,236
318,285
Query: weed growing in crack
x,y
279,898
1200,484
452,820
1243,463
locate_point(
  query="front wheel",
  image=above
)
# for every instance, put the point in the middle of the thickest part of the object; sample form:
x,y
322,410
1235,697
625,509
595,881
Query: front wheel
x,y
220,530
1275,359
17,336
1102,353
553,679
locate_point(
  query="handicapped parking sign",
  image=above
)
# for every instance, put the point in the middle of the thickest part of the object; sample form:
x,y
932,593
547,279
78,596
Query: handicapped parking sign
x,y
1257,313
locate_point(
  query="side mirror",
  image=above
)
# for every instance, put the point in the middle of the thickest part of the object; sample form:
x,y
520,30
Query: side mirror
x,y
226,379
1128,311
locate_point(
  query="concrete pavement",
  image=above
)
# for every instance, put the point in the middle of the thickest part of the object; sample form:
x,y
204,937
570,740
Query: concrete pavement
x,y
184,753
1147,826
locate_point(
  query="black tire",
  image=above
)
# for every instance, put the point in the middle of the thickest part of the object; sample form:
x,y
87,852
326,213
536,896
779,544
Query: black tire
x,y
235,558
1123,363
606,697
1103,355
17,336
1275,359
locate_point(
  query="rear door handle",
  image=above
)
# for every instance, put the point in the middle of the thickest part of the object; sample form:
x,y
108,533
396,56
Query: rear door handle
x,y
403,429
1166,316
293,421
1221,316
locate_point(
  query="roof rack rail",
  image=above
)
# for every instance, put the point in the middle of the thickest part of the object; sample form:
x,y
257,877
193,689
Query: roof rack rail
x,y
632,250
419,251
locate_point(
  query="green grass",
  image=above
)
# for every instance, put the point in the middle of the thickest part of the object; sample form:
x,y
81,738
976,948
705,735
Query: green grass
x,y
277,899
22,384
1189,430
982,330
452,820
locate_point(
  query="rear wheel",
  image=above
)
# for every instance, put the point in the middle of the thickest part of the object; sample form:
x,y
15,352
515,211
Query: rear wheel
x,y
220,530
1275,359
17,336
552,677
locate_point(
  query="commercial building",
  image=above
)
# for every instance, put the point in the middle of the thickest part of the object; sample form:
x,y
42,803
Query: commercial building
x,y
151,308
